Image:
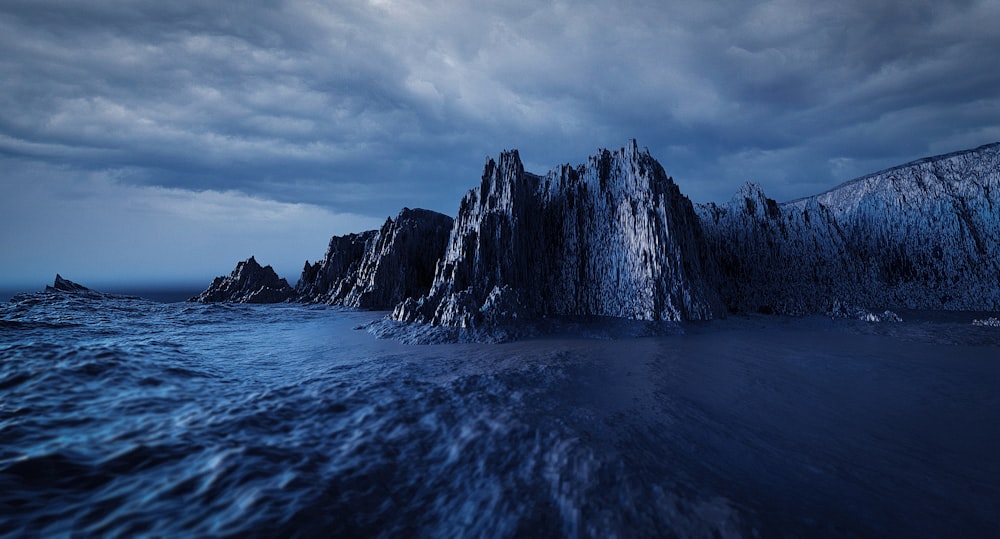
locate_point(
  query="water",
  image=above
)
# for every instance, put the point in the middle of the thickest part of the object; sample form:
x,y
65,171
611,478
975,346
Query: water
x,y
129,417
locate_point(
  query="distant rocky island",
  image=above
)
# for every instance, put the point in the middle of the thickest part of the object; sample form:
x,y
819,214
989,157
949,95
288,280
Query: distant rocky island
x,y
66,288
65,285
248,283
615,237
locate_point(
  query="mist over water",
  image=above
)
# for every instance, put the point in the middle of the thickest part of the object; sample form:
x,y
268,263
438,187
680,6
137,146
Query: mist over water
x,y
125,417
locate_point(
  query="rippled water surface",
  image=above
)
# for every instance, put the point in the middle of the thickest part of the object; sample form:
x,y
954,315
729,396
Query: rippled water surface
x,y
129,417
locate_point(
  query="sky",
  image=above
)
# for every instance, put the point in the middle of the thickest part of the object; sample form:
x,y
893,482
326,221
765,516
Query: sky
x,y
161,142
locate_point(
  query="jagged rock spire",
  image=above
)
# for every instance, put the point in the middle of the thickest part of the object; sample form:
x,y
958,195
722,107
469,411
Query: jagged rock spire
x,y
248,283
379,268
611,237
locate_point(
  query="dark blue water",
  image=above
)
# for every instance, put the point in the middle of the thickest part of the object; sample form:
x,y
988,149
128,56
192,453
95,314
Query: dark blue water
x,y
129,417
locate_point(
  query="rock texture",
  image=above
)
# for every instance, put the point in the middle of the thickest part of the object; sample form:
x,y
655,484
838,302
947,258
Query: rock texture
x,y
925,235
379,268
248,283
991,322
840,310
611,237
614,237
65,285
330,280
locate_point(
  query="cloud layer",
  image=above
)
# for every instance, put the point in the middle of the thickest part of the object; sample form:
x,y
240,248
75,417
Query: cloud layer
x,y
97,224
361,108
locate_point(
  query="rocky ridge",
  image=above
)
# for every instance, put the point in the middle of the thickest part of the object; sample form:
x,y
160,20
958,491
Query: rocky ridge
x,y
248,283
375,269
379,268
330,279
925,235
612,237
65,285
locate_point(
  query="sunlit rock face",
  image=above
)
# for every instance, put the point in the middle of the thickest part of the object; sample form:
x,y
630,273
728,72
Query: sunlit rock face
x,y
379,268
248,283
925,235
611,237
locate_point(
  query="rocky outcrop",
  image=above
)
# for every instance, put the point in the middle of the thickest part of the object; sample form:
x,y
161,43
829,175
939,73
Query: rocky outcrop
x,y
840,310
248,283
611,237
925,235
65,285
379,268
331,279
614,237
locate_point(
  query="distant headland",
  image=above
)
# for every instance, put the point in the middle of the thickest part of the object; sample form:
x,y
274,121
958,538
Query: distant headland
x,y
615,237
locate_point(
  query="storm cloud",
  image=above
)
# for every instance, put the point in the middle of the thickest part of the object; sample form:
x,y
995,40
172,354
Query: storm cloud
x,y
360,108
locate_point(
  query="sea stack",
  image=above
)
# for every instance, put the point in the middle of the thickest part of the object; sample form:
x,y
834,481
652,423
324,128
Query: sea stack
x,y
611,237
65,285
330,280
379,268
248,283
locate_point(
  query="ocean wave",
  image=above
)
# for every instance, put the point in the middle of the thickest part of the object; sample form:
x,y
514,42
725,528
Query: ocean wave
x,y
194,420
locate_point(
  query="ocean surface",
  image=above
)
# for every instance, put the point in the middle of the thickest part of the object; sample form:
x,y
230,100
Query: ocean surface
x,y
125,417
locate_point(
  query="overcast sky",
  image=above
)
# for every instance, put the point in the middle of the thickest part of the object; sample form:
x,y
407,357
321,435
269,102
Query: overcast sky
x,y
165,141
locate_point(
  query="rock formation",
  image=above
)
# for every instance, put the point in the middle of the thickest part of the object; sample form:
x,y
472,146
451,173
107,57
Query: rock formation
x,y
248,283
925,235
612,237
379,268
330,280
991,322
65,285
840,310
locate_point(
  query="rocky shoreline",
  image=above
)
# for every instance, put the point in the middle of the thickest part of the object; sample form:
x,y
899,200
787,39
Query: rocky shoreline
x,y
615,237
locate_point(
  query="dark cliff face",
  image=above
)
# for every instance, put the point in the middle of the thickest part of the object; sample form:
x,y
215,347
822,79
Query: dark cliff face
x,y
379,268
615,237
612,237
248,283
925,235
331,279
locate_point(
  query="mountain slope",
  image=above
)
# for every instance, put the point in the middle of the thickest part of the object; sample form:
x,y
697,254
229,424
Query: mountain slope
x,y
611,237
924,235
379,268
